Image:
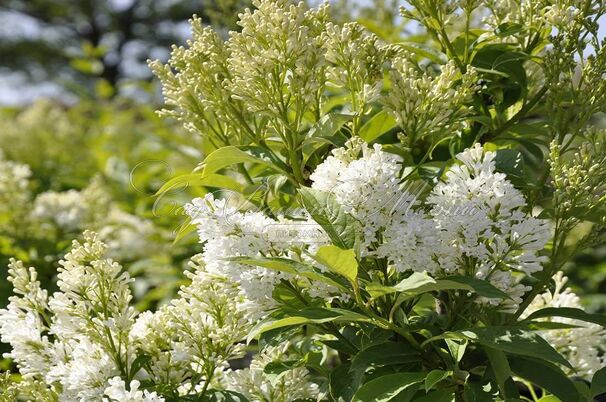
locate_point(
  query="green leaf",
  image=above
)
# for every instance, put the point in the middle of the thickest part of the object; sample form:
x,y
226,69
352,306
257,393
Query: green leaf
x,y
475,392
569,312
342,262
456,349
598,383
545,375
481,287
232,155
329,124
276,370
314,315
327,212
510,162
518,342
508,29
288,266
419,283
423,51
184,229
440,395
139,362
502,372
411,285
434,377
378,125
343,383
392,387
384,354
510,340
198,179
550,398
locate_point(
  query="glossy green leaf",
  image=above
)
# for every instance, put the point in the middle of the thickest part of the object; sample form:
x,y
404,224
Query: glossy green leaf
x,y
329,124
510,162
569,312
510,340
502,372
419,283
200,180
598,383
233,155
378,125
326,211
339,261
440,395
434,377
412,284
392,387
384,354
343,383
545,375
308,316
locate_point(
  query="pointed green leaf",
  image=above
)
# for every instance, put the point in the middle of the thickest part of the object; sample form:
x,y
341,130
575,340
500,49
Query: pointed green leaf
x,y
199,180
569,312
384,354
545,375
308,316
342,262
378,125
326,211
510,340
434,377
598,383
392,387
329,124
232,155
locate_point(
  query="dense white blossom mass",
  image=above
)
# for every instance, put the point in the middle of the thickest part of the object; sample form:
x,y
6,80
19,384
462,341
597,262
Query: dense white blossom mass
x,y
472,223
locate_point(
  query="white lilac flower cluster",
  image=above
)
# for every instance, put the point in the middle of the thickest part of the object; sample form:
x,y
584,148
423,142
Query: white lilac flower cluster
x,y
473,223
559,14
227,233
271,77
582,346
425,105
84,342
256,385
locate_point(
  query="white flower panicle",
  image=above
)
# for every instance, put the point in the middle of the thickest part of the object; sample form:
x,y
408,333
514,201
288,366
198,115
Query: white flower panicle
x,y
427,105
227,233
357,62
270,79
283,67
577,179
22,323
116,391
473,223
583,346
254,384
367,188
83,340
559,13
